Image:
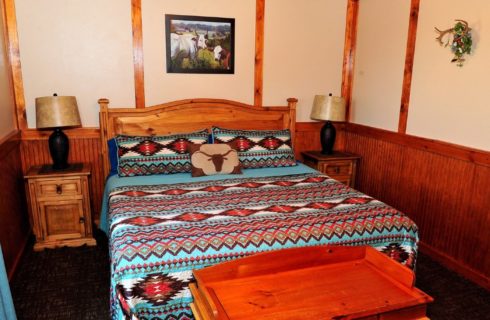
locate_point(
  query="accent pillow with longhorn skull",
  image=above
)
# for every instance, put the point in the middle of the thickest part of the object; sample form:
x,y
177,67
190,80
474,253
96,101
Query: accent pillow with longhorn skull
x,y
211,159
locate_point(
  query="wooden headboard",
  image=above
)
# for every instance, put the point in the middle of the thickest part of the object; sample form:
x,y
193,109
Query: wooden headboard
x,y
191,115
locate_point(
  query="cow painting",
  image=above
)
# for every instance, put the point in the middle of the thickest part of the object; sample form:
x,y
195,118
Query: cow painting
x,y
183,45
186,45
223,56
201,41
199,44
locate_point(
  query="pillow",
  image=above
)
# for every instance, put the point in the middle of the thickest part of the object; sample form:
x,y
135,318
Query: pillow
x,y
259,148
147,155
211,159
112,153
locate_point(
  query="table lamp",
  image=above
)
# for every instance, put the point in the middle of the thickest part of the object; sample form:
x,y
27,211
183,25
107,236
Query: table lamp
x,y
57,112
329,108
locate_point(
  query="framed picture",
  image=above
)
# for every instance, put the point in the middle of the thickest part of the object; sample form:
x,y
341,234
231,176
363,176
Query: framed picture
x,y
200,44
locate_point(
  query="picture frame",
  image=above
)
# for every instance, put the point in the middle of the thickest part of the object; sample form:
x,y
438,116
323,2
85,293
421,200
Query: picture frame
x,y
197,44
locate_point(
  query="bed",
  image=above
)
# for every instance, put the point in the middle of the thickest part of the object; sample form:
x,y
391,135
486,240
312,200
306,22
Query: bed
x,y
161,227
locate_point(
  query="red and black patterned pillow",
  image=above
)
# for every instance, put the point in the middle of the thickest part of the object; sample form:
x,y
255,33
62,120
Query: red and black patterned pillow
x,y
147,155
211,159
259,148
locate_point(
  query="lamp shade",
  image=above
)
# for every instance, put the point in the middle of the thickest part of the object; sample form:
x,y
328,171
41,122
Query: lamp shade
x,y
328,108
56,112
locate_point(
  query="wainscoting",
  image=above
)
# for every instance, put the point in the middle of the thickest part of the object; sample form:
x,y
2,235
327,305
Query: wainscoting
x,y
443,188
308,137
84,147
14,221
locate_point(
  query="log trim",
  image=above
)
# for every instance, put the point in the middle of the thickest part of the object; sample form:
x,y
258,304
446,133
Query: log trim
x,y
14,201
407,73
34,134
349,54
259,52
440,147
12,43
138,62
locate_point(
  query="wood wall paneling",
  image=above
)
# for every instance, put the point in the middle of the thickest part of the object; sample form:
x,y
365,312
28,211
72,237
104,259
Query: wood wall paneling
x,y
407,73
479,218
82,149
443,148
308,137
259,51
14,222
446,196
138,61
34,134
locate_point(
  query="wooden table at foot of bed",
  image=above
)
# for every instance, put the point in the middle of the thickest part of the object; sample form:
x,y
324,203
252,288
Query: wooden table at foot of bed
x,y
327,282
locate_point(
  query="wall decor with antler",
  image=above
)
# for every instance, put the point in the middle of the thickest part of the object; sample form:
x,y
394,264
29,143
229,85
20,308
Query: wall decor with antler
x,y
461,40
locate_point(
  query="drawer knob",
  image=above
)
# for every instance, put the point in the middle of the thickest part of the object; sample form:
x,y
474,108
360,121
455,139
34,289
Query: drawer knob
x,y
82,220
337,170
59,189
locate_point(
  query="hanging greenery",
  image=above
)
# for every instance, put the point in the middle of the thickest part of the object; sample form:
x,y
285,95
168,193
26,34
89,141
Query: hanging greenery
x,y
461,40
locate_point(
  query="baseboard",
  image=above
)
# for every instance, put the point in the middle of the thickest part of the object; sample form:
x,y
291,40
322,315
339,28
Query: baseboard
x,y
19,256
456,266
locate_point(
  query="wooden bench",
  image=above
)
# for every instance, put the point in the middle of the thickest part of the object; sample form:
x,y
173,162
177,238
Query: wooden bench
x,y
328,282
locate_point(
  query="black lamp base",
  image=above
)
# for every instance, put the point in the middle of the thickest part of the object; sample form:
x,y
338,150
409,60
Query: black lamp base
x,y
58,148
327,137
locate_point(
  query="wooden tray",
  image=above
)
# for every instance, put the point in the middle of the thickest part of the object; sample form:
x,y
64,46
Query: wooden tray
x,y
328,282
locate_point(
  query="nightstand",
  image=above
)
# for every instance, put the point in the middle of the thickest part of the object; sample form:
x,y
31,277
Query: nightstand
x,y
340,166
59,203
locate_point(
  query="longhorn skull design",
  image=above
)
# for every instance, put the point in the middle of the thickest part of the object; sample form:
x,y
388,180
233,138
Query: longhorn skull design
x,y
217,159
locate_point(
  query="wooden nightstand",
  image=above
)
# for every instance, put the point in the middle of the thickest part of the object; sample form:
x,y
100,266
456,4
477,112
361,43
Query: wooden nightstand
x,y
339,165
59,204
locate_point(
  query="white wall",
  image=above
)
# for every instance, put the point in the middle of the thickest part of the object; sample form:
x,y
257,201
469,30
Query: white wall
x,y
450,103
77,47
303,51
161,86
85,49
7,123
447,103
379,62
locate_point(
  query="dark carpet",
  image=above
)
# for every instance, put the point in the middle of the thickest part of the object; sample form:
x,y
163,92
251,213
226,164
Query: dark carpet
x,y
73,283
65,283
454,296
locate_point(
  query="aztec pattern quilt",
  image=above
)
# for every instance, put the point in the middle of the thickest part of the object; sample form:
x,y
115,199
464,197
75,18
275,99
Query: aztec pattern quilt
x,y
159,233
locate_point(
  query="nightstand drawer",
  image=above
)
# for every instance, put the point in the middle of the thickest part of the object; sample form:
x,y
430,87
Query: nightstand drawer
x,y
49,188
338,168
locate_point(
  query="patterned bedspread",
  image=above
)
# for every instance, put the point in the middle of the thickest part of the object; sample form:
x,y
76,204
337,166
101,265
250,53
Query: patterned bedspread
x,y
158,234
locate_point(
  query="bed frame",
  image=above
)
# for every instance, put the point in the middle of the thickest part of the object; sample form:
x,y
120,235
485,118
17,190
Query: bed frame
x,y
190,115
